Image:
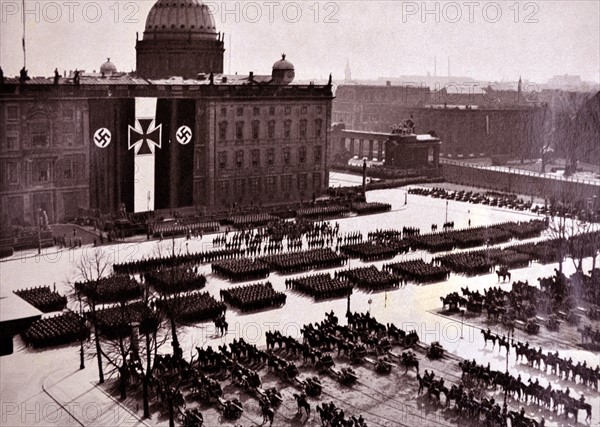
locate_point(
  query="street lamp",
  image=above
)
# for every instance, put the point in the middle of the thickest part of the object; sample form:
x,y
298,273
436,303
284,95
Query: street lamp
x,y
39,221
370,302
507,354
81,355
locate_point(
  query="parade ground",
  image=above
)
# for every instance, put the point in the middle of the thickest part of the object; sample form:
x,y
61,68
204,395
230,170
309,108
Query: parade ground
x,y
46,386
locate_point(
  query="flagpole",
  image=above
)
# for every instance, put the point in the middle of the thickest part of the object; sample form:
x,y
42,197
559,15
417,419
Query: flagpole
x,y
24,51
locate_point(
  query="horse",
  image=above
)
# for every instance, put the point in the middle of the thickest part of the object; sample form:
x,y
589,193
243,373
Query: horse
x,y
325,415
504,273
267,412
489,336
409,360
503,342
302,404
221,325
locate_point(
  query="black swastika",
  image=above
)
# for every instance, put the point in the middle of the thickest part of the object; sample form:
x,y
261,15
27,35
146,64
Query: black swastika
x,y
102,137
184,135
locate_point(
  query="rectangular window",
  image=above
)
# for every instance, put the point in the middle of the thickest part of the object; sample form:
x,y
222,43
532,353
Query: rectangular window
x,y
286,156
12,175
68,170
223,131
271,111
42,171
271,184
270,157
255,129
271,129
288,111
239,159
303,110
223,159
255,157
318,128
12,112
256,111
302,181
319,109
40,134
224,186
317,154
303,129
317,181
302,154
254,185
223,111
240,185
11,142
240,111
287,128
239,131
286,182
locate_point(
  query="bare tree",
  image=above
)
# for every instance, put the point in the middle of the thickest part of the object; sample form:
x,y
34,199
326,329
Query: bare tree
x,y
90,268
172,304
151,322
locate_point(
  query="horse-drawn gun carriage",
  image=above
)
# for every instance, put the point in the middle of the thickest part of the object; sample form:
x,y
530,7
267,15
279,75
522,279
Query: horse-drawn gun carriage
x,y
209,390
311,386
383,365
383,346
346,376
325,362
531,326
552,323
435,351
357,355
272,395
191,418
408,359
232,408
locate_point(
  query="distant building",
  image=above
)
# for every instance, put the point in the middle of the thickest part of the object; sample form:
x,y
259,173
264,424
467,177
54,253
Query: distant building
x,y
347,73
398,149
492,123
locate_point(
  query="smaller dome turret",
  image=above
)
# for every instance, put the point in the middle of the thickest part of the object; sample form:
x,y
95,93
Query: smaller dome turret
x,y
283,72
108,68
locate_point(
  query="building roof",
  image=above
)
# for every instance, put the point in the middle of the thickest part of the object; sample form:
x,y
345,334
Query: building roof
x,y
180,19
13,308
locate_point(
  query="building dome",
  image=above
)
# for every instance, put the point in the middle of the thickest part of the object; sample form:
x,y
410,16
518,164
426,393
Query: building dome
x,y
283,72
108,68
283,64
178,19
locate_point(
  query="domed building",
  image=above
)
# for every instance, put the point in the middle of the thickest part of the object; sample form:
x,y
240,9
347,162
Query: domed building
x,y
108,68
283,72
180,39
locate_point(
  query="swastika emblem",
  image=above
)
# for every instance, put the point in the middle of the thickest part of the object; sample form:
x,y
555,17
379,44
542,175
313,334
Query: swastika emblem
x,y
145,136
184,135
102,137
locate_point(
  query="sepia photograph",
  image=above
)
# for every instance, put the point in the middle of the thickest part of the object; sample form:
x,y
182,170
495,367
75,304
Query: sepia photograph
x,y
307,213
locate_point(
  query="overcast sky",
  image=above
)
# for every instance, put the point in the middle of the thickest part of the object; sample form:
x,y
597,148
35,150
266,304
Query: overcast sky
x,y
485,40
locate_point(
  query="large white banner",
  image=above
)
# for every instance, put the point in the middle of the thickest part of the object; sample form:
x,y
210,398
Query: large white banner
x,y
144,138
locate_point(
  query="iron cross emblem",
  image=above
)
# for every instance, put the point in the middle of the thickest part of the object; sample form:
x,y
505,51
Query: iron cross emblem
x,y
145,136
